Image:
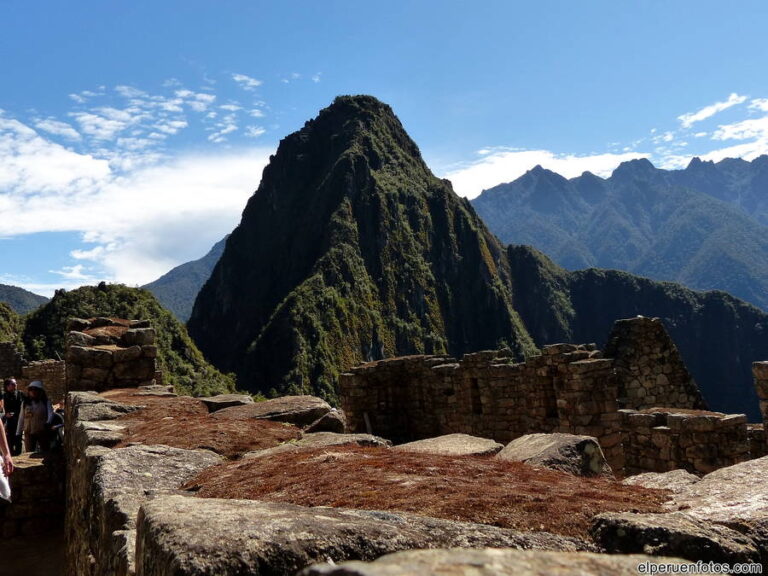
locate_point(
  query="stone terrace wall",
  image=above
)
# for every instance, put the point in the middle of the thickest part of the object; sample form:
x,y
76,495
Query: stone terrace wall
x,y
53,375
567,388
37,490
698,441
11,360
106,353
650,369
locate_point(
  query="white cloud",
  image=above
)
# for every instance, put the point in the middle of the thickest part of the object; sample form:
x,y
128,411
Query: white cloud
x,y
759,104
504,165
256,113
317,77
74,273
744,130
254,131
688,120
58,128
246,82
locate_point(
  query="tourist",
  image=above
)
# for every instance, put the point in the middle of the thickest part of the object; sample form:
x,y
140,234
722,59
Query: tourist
x,y
36,417
12,401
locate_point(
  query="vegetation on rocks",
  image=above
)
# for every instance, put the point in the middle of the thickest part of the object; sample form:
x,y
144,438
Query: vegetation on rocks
x,y
10,325
183,365
352,250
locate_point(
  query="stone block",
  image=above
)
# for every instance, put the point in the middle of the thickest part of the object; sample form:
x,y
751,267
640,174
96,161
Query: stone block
x,y
127,354
453,445
184,536
138,337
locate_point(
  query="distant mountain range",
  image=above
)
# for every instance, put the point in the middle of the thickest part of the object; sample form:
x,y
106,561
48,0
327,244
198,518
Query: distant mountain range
x,y
20,301
177,289
705,226
352,250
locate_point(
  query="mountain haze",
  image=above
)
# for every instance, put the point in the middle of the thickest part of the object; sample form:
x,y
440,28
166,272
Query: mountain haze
x,y
177,289
704,226
352,250
21,301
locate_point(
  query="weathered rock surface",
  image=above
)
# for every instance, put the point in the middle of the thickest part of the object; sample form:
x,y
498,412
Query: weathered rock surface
x,y
221,401
177,536
579,455
319,440
674,481
108,493
92,407
675,534
488,562
333,421
453,445
735,496
298,410
156,390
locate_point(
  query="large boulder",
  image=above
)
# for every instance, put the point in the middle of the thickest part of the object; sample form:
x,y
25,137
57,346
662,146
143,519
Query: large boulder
x,y
333,421
299,410
579,455
490,562
675,534
221,401
453,445
180,536
320,440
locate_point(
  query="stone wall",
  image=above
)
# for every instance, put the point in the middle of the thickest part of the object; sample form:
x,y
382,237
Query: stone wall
x,y
11,360
649,367
106,353
37,491
568,388
698,441
53,375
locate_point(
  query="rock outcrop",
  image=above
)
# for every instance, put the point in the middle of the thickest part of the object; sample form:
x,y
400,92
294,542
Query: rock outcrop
x,y
678,535
579,455
298,410
181,535
453,445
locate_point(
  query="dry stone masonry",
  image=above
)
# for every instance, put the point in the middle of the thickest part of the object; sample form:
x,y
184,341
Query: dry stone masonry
x,y
662,440
106,353
572,389
53,373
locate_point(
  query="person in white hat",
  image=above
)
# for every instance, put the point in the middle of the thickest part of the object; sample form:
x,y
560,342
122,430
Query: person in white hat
x,y
35,420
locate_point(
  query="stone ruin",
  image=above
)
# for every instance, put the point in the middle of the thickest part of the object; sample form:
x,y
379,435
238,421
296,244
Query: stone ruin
x,y
574,389
106,353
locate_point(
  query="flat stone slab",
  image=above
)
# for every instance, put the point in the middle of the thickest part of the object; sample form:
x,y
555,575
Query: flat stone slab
x,y
675,481
299,410
489,562
735,494
320,440
214,403
675,534
453,445
180,536
578,455
92,407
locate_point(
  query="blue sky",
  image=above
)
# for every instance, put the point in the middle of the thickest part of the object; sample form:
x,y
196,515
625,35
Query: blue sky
x,y
132,133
